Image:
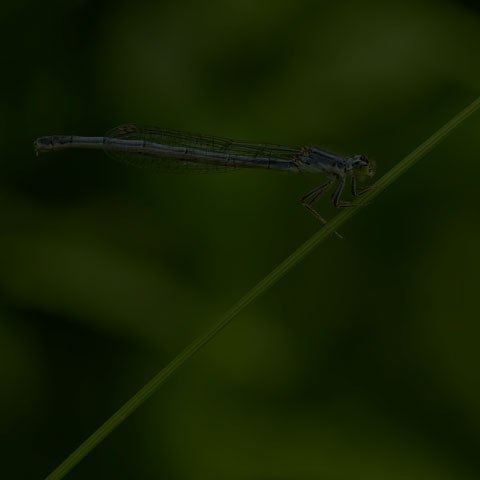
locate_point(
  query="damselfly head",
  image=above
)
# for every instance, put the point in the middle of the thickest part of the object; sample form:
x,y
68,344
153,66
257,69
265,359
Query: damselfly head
x,y
365,166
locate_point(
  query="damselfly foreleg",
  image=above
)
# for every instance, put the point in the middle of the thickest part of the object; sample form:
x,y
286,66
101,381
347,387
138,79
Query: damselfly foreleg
x,y
341,204
357,193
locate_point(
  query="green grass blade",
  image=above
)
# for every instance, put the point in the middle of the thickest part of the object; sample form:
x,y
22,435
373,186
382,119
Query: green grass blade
x,y
143,394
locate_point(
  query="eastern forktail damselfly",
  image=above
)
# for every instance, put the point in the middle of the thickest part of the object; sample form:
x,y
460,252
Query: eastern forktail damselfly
x,y
172,151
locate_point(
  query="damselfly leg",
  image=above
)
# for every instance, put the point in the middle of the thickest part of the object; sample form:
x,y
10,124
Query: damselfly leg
x,y
341,204
357,193
310,198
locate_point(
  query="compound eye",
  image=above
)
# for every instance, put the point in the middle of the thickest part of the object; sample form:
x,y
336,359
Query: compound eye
x,y
362,159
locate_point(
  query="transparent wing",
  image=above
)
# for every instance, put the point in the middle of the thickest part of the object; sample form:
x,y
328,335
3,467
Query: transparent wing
x,y
206,143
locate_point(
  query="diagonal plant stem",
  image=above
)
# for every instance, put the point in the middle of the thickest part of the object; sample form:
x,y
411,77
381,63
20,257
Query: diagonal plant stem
x,y
145,392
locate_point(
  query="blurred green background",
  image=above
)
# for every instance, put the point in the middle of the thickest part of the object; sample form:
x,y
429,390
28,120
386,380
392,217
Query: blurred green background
x,y
361,363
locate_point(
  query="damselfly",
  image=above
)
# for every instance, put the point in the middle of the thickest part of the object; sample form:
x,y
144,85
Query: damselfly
x,y
169,151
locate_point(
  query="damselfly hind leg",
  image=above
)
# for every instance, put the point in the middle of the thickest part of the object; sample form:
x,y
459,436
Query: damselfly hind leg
x,y
310,198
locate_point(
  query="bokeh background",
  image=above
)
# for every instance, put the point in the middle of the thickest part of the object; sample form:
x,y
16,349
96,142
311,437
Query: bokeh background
x,y
361,363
